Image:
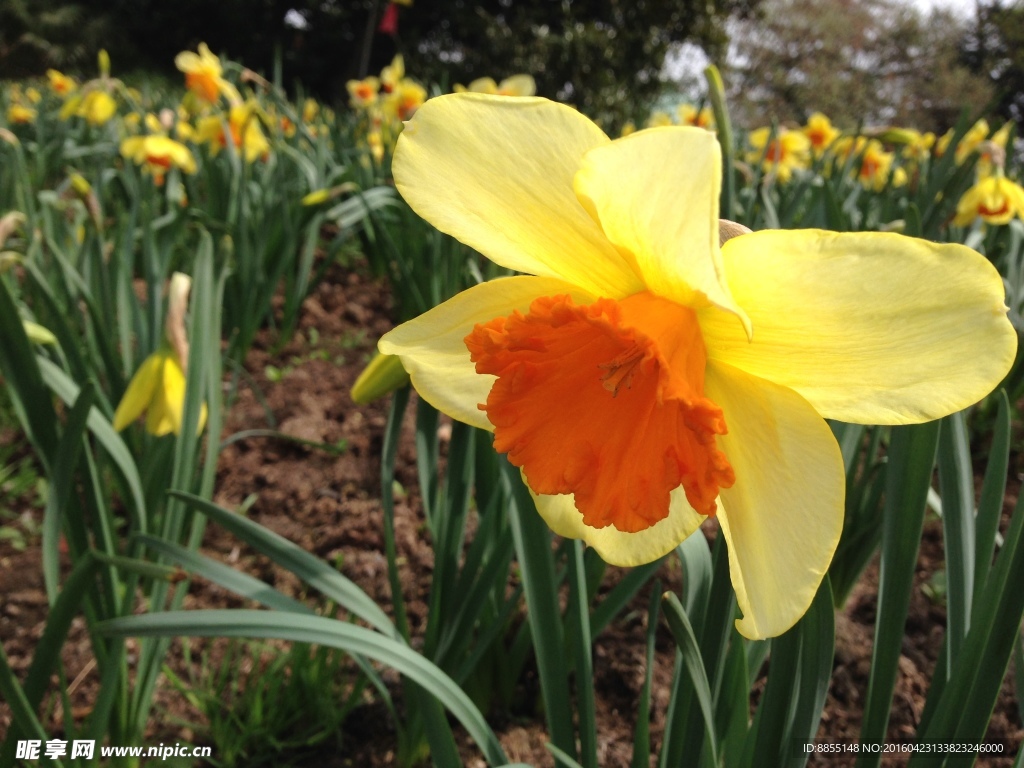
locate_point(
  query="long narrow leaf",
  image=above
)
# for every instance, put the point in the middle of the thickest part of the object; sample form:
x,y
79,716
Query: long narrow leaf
x,y
911,458
687,643
323,631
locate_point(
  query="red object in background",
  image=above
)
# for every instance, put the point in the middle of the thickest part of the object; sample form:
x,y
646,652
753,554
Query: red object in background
x,y
389,21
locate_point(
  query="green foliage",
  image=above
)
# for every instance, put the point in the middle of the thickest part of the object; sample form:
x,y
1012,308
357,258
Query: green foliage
x,y
263,705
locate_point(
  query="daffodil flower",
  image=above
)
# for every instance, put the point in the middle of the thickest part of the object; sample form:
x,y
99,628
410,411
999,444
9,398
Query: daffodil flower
x,y
242,126
690,115
204,76
158,387
820,133
642,377
786,152
158,154
995,200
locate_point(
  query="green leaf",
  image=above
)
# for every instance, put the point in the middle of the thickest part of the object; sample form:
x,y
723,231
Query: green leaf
x,y
533,550
956,480
694,663
642,731
23,380
911,459
993,489
293,558
317,629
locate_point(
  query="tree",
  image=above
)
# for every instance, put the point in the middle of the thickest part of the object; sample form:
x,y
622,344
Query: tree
x,y
994,49
40,34
604,56
860,61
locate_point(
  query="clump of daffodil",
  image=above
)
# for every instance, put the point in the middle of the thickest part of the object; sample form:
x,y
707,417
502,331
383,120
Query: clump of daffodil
x,y
516,85
820,133
158,387
93,104
644,377
782,153
401,103
60,83
204,76
873,165
363,93
242,126
658,119
19,114
701,118
157,154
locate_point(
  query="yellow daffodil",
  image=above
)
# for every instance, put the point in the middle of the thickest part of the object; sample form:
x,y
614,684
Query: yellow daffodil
x,y
60,83
158,154
310,110
642,376
516,85
392,74
659,119
627,128
820,133
404,100
690,115
243,126
19,114
994,199
917,146
158,386
204,76
33,95
95,106
873,163
788,151
363,93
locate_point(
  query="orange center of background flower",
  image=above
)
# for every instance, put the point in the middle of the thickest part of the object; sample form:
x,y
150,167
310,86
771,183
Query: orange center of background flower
x,y
204,85
1000,208
605,401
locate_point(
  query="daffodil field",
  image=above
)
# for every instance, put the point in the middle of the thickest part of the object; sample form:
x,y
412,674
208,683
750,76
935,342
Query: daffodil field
x,y
763,356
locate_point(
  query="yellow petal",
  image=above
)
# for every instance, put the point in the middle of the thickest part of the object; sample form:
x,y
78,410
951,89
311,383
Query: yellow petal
x,y
497,174
614,546
433,351
165,413
520,85
869,327
383,375
783,516
139,394
655,195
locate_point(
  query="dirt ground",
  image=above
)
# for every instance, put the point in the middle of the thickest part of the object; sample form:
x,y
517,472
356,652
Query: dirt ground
x,y
329,505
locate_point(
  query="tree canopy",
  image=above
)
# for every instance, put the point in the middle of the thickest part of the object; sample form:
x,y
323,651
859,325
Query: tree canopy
x,y
604,56
859,61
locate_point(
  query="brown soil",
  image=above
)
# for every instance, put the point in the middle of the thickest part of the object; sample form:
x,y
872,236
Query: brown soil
x,y
329,505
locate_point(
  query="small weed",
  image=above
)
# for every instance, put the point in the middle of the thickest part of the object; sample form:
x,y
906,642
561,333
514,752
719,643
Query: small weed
x,y
263,705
